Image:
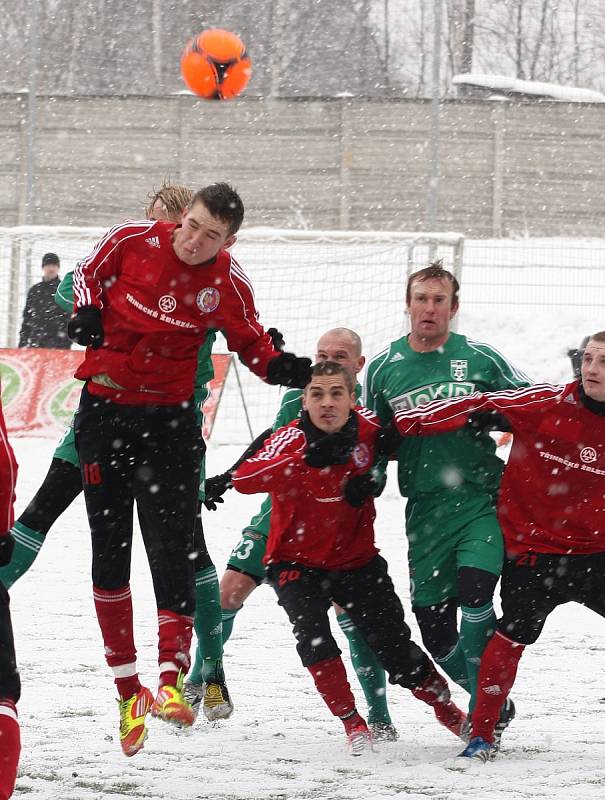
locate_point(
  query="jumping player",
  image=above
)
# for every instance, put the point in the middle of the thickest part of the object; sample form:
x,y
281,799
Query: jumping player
x,y
245,569
455,543
144,301
550,508
321,549
63,484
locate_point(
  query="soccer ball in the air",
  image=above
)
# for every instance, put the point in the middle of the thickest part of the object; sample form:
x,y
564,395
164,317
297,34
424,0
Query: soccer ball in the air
x,y
215,65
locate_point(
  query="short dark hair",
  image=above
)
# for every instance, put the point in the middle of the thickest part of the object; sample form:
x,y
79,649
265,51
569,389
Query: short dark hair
x,y
223,202
333,368
435,271
596,337
50,258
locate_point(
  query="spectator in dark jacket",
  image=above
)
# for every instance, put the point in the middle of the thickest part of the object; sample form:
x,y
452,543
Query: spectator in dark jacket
x,y
44,323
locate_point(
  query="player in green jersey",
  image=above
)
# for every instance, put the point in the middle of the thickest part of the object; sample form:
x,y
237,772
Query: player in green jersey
x,y
245,570
455,548
63,484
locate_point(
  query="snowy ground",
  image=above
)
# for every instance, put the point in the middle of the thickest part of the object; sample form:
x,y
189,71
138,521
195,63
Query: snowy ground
x,y
281,742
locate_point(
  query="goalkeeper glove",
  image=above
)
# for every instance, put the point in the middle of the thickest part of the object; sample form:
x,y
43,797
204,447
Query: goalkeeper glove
x,y
215,488
86,327
289,370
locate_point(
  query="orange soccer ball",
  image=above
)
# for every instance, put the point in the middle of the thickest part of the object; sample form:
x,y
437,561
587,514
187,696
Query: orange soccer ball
x,y
215,66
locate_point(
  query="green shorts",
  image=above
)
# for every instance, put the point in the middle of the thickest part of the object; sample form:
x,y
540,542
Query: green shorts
x,y
66,449
444,536
247,555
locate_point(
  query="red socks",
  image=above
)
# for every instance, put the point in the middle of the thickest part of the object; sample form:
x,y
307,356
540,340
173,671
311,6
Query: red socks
x,y
332,684
10,748
114,612
174,632
497,674
436,693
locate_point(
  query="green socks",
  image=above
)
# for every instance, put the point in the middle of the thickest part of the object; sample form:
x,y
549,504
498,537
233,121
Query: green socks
x,y
369,671
454,666
27,547
476,629
207,625
228,618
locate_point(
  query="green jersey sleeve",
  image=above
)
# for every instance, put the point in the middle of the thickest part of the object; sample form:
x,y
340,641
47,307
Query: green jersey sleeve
x,y
64,296
290,408
502,374
372,396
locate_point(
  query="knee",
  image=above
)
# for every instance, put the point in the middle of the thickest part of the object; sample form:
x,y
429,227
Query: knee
x,y
476,586
235,588
312,650
521,631
10,684
438,627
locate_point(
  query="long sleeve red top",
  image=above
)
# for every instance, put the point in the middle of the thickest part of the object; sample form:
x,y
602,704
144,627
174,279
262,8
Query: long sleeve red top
x,y
8,480
311,522
156,311
552,495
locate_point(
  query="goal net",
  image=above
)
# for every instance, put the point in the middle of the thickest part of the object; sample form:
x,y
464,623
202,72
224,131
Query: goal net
x,y
305,283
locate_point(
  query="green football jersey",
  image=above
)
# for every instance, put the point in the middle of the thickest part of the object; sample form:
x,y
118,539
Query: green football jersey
x,y
290,408
64,296
401,378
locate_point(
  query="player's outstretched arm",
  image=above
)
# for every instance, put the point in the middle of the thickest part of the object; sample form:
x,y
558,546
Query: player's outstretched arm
x,y
216,486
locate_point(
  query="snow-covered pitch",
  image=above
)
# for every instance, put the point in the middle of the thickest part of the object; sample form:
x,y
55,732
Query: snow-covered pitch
x,y
281,741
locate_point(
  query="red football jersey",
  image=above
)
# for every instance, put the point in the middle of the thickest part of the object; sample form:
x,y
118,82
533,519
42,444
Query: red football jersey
x,y
8,479
552,495
311,522
156,311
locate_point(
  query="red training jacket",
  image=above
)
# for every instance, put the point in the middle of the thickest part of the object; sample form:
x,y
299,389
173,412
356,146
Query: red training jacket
x,y
8,479
311,522
552,495
156,311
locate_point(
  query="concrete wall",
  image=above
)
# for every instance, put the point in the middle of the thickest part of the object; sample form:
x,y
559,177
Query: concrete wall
x,y
506,168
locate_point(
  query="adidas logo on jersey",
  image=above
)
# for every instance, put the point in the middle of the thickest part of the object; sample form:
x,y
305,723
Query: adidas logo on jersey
x,y
153,241
396,357
570,399
493,689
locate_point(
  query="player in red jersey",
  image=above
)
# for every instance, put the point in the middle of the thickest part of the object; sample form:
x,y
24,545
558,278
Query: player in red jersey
x,y
144,301
321,548
550,507
10,685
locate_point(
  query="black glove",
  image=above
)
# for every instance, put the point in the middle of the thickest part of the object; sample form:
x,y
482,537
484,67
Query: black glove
x,y
7,545
388,440
277,338
86,328
289,370
333,448
358,488
486,421
215,488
